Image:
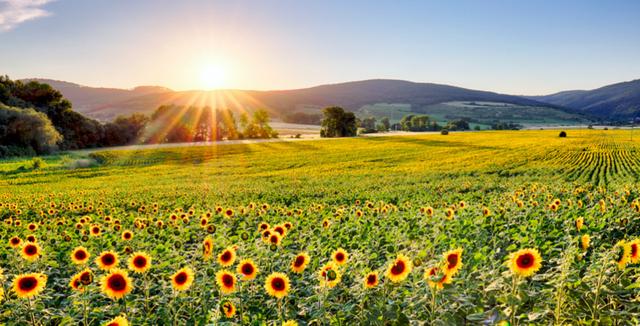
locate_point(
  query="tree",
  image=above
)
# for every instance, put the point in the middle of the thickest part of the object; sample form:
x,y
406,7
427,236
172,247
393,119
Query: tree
x,y
26,129
338,123
368,125
125,130
384,124
460,124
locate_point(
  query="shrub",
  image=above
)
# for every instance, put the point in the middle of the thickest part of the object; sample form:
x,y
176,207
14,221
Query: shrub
x,y
563,134
444,132
37,163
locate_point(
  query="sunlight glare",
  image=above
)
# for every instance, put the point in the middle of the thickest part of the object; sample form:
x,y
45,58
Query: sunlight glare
x,y
212,77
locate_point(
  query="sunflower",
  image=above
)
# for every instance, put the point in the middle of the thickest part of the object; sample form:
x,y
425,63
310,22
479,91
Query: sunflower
x,y
486,212
228,212
116,284
95,230
32,227
118,321
280,229
585,241
29,285
277,285
436,279
127,235
453,261
31,238
300,262
525,262
399,269
30,251
290,322
226,281
107,260
329,275
85,276
623,251
139,262
340,256
263,226
579,223
634,245
371,280
207,248
76,283
228,309
15,242
275,238
80,256
247,269
227,257
182,279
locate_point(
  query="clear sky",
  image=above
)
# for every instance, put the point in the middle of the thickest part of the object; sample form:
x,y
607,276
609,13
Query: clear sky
x,y
516,47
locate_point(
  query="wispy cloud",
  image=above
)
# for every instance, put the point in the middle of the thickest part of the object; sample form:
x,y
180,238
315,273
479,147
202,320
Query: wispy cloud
x,y
15,12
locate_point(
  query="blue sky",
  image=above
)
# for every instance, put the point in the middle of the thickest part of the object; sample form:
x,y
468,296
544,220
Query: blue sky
x,y
516,47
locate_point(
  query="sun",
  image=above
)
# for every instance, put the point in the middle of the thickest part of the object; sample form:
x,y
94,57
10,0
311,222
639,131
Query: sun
x,y
212,77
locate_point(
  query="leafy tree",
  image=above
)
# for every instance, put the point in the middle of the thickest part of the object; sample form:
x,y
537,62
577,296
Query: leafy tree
x,y
27,129
368,125
338,123
460,124
384,124
125,129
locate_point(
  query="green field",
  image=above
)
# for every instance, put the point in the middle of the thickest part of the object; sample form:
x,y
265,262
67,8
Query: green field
x,y
482,114
492,193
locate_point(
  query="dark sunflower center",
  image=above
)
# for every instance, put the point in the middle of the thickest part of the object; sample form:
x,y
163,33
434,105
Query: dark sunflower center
x,y
30,250
247,269
81,255
299,261
453,260
277,284
398,268
227,307
127,236
634,250
117,283
181,278
227,280
263,227
85,278
339,256
96,230
274,239
279,230
226,256
15,241
229,212
525,261
27,283
108,259
140,261
371,279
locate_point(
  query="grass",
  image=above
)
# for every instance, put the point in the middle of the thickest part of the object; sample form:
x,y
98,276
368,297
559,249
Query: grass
x,y
370,196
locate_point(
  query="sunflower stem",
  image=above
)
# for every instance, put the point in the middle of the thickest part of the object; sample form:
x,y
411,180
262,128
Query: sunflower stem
x,y
33,318
513,305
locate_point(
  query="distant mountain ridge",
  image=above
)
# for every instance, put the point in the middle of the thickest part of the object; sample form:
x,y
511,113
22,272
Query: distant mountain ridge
x,y
107,103
619,101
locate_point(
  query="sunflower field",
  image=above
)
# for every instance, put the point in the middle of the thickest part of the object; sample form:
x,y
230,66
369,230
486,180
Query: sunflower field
x,y
485,228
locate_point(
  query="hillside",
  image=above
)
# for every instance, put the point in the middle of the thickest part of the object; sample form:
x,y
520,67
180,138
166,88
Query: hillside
x,y
619,101
107,103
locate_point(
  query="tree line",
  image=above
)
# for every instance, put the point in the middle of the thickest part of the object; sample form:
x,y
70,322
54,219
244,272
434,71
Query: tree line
x,y
36,119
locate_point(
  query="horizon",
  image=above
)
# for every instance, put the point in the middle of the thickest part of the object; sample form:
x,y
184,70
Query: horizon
x,y
515,48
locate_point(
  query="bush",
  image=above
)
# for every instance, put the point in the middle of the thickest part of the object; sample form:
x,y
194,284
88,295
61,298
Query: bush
x,y
444,132
37,163
562,134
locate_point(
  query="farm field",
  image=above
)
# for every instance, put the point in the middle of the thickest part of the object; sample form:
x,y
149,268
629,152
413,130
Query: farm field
x,y
514,227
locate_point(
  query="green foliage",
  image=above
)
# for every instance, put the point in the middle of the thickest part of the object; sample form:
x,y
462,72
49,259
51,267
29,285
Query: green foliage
x,y
26,129
37,163
338,123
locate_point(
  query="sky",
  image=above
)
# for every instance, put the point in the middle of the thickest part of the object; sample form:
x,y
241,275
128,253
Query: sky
x,y
514,47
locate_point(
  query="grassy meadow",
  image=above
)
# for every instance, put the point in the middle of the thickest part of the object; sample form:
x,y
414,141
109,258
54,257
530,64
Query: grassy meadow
x,y
374,231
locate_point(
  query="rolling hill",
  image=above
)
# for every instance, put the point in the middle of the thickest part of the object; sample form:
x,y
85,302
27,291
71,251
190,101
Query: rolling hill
x,y
619,101
107,103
